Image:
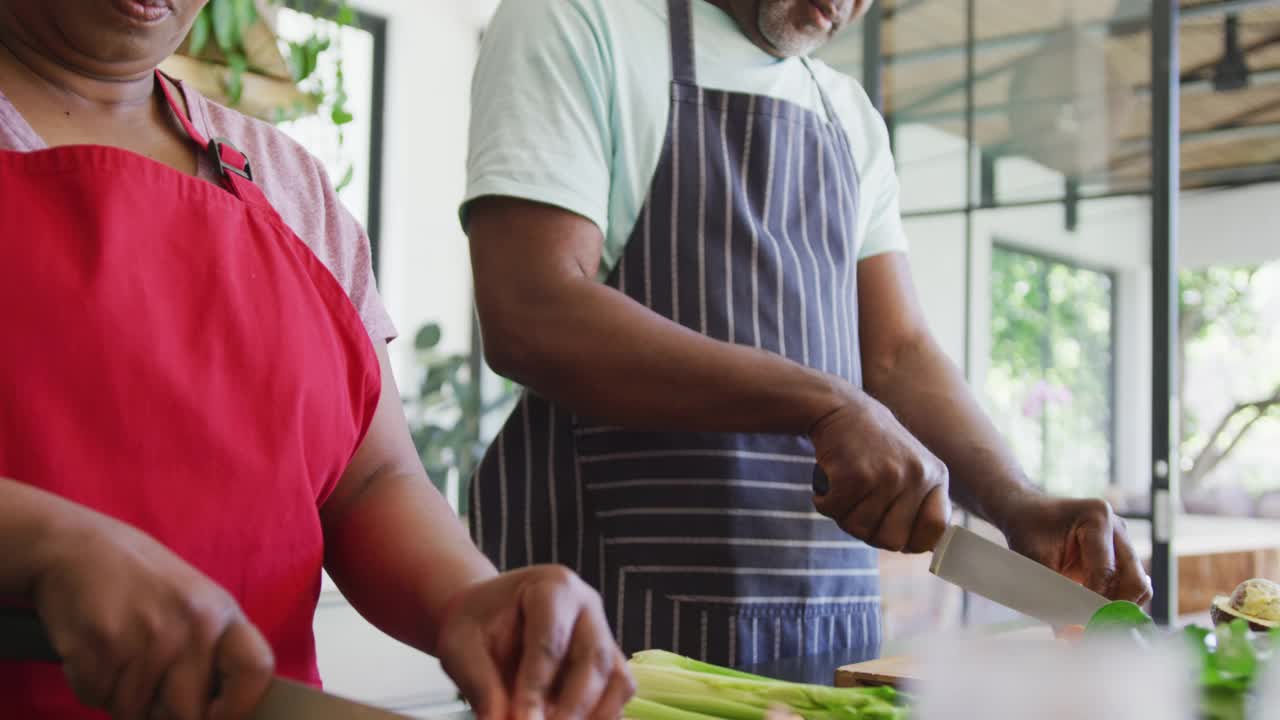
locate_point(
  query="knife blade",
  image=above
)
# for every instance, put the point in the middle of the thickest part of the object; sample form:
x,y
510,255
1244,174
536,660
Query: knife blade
x,y
974,563
23,638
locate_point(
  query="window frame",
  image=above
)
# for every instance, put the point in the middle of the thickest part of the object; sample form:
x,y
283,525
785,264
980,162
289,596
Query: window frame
x,y
1004,244
377,27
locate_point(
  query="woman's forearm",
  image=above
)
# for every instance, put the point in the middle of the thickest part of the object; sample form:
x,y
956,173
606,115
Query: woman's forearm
x,y
399,555
29,519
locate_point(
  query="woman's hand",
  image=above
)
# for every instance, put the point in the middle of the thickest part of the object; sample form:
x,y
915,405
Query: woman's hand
x,y
141,633
534,643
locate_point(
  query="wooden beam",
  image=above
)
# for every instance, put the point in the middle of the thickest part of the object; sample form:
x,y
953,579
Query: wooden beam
x,y
262,96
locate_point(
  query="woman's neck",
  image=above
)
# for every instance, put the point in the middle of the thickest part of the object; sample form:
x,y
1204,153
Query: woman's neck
x,y
26,68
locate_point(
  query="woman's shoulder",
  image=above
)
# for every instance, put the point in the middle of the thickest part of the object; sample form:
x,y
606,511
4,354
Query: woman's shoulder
x,y
274,155
298,187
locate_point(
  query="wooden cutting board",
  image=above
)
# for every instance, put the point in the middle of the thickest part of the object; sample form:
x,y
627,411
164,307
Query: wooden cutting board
x,y
894,671
899,670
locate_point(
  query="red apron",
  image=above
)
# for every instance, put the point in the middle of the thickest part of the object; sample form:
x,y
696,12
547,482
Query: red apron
x,y
173,355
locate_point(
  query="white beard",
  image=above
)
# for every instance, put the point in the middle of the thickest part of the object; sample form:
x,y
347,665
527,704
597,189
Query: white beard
x,y
775,25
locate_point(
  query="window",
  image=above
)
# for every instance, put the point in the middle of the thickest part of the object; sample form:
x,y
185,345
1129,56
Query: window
x,y
1050,384
352,155
1229,337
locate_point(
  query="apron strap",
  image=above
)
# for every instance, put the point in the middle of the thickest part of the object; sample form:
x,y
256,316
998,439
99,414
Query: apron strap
x,y
234,168
680,24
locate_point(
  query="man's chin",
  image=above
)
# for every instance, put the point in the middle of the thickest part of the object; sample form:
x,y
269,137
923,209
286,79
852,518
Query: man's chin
x,y
794,30
794,44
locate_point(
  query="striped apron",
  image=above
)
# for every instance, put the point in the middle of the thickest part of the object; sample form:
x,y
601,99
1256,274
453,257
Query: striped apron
x,y
707,544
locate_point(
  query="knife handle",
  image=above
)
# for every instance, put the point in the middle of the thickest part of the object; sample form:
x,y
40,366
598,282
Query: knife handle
x,y
821,483
24,638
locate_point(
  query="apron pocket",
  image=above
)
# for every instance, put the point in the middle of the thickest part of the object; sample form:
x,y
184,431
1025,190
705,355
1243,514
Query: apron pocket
x,y
751,635
745,634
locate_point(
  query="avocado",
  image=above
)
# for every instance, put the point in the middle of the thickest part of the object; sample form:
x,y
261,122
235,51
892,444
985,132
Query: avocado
x,y
1256,601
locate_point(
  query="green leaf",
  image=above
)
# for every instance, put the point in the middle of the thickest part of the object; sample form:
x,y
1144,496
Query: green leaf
x,y
347,177
346,15
428,337
1222,704
237,65
200,32
432,385
246,15
461,391
340,116
315,47
452,364
297,60
1119,616
1235,654
224,24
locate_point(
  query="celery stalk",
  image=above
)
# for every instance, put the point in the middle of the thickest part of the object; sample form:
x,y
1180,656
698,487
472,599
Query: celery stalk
x,y
670,659
641,709
672,682
706,704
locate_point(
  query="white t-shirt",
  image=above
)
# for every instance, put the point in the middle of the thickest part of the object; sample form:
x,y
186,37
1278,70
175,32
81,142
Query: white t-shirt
x,y
571,100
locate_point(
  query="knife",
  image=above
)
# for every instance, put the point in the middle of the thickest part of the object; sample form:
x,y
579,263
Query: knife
x,y
23,638
976,564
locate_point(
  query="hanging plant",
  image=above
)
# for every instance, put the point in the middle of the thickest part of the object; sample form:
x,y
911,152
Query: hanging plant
x,y
446,412
234,55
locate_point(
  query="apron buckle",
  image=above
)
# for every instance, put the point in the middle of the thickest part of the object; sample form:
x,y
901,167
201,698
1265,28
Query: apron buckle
x,y
219,158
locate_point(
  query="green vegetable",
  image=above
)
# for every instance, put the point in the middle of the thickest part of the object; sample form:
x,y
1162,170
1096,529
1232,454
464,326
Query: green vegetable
x,y
670,659
1235,656
672,687
1119,616
1230,669
641,709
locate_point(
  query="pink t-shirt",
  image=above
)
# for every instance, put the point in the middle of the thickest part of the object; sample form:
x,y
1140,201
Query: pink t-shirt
x,y
293,180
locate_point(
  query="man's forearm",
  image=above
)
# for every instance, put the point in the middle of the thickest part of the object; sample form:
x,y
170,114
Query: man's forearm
x,y
606,357
931,398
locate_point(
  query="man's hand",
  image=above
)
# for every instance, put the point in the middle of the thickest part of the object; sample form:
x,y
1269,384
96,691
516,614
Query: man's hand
x,y
534,643
1082,539
883,486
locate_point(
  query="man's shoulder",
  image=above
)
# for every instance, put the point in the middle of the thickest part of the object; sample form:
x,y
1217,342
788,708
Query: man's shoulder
x,y
838,84
542,11
615,18
851,101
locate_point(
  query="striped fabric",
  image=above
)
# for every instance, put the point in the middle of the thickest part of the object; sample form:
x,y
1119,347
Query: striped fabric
x,y
707,543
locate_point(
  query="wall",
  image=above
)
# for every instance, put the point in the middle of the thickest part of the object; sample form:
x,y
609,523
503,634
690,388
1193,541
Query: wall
x,y
425,271
424,276
1230,227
